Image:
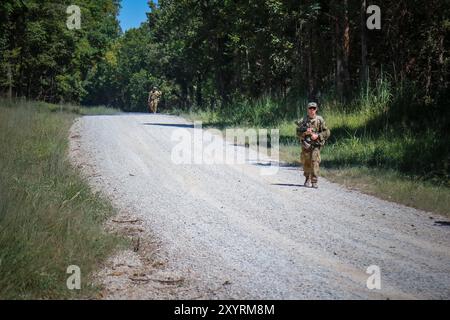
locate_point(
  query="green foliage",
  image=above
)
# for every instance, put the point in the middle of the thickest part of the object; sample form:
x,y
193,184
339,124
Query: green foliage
x,y
391,185
41,58
263,112
49,219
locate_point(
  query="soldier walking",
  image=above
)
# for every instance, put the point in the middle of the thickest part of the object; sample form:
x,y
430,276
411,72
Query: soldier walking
x,y
312,133
153,99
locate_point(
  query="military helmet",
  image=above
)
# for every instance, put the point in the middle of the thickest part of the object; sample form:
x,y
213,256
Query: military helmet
x,y
312,105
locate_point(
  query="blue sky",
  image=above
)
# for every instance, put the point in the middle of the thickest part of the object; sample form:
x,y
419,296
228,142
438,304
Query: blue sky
x,y
132,13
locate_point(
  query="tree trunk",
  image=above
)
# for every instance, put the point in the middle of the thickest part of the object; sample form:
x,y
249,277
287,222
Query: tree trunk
x,y
10,82
339,68
342,44
199,94
441,60
363,79
346,51
184,95
299,66
310,65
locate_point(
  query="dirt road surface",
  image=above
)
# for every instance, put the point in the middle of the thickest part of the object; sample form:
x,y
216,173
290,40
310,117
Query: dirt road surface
x,y
226,231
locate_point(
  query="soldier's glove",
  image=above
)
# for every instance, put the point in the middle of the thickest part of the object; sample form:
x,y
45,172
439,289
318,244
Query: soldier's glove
x,y
306,145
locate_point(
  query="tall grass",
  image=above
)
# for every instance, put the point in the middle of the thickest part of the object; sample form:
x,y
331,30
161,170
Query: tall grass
x,y
49,218
40,106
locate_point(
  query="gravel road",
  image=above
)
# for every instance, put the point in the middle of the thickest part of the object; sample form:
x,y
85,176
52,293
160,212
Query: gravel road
x,y
231,233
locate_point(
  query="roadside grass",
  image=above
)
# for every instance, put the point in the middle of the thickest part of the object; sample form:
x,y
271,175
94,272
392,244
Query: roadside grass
x,y
49,218
393,186
399,166
39,106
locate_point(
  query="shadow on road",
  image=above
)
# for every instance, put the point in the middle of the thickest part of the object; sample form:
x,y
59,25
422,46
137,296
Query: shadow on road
x,y
175,125
443,223
288,185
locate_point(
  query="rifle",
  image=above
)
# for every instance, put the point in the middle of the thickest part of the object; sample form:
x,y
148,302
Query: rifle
x,y
305,136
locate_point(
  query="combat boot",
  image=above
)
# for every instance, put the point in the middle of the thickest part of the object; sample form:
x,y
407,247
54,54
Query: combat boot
x,y
307,183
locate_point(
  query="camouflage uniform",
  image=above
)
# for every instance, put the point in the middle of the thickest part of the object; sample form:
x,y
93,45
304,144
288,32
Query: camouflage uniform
x,y
153,100
310,156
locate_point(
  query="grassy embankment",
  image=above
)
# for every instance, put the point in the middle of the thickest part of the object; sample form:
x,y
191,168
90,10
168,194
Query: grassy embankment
x,y
368,150
49,218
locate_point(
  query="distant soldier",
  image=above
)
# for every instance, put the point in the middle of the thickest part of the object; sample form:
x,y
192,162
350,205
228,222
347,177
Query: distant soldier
x,y
153,99
312,133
